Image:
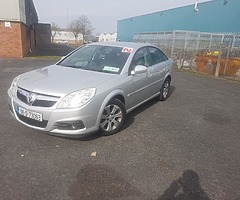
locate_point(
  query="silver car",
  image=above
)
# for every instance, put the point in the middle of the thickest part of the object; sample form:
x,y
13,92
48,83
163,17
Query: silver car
x,y
91,89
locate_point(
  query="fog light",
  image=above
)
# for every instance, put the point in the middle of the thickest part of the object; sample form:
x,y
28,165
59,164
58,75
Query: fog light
x,y
74,126
69,125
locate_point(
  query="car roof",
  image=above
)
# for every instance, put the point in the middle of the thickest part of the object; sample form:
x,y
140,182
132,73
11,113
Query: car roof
x,y
134,45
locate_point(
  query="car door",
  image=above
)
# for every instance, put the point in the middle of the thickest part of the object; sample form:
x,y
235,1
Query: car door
x,y
140,82
158,63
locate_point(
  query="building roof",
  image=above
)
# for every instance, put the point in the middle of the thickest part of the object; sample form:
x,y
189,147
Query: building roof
x,y
18,11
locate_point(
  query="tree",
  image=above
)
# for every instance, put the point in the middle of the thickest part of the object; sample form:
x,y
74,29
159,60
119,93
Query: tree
x,y
55,28
81,25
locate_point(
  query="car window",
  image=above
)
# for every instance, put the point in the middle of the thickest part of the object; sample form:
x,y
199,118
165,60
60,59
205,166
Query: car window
x,y
156,55
140,58
108,59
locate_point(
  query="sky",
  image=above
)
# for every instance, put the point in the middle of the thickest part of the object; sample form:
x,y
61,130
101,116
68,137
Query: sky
x,y
103,14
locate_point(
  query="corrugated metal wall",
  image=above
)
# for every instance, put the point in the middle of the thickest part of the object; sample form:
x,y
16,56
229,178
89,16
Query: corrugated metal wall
x,y
217,16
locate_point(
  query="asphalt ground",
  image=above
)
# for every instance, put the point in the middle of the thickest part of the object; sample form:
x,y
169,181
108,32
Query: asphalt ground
x,y
51,50
184,148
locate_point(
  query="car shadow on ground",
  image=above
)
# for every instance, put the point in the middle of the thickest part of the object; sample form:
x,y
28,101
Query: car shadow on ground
x,y
130,117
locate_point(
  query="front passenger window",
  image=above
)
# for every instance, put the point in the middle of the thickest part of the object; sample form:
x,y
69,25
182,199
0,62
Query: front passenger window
x,y
140,58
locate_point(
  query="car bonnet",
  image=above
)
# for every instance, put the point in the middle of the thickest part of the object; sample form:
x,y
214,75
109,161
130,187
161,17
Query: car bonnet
x,y
58,80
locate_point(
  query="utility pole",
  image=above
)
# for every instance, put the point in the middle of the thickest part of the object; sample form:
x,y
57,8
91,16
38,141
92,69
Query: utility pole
x,y
67,14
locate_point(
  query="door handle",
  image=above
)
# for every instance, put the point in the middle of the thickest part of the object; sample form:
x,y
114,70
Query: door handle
x,y
149,75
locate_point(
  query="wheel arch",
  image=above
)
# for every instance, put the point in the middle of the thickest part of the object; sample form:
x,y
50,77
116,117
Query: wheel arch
x,y
120,97
168,76
116,94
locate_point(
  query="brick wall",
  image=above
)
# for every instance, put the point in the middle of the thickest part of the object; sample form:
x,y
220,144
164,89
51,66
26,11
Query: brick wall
x,y
28,39
15,41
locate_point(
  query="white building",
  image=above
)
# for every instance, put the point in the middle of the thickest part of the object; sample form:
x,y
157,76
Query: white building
x,y
107,37
65,36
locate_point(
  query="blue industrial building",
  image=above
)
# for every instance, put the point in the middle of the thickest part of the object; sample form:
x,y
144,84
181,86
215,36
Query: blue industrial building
x,y
216,16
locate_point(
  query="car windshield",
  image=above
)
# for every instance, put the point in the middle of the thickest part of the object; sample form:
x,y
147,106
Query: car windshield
x,y
107,59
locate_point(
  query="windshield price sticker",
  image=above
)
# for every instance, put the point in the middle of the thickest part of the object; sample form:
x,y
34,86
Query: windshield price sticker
x,y
127,50
111,69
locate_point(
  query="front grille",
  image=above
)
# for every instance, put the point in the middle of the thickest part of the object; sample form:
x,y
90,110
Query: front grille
x,y
43,103
39,100
21,97
32,122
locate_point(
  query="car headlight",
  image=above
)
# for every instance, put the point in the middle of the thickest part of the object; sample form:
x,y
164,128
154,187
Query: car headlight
x,y
78,98
13,87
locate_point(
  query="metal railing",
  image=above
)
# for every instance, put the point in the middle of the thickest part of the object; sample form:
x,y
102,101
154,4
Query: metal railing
x,y
213,53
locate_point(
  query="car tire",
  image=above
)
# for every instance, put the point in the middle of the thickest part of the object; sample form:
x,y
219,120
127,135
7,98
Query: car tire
x,y
165,90
112,118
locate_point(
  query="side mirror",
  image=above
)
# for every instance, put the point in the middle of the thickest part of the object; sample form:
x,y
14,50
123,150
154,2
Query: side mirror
x,y
139,69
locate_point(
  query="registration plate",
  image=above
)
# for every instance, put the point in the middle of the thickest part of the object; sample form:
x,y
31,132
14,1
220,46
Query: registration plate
x,y
29,114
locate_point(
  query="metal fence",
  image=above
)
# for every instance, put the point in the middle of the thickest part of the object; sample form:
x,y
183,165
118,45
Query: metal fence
x,y
217,54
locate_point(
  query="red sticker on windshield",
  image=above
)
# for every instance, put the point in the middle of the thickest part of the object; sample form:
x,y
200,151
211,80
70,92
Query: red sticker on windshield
x,y
127,50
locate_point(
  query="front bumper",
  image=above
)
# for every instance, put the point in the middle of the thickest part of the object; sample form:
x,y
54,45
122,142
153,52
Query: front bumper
x,y
68,122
